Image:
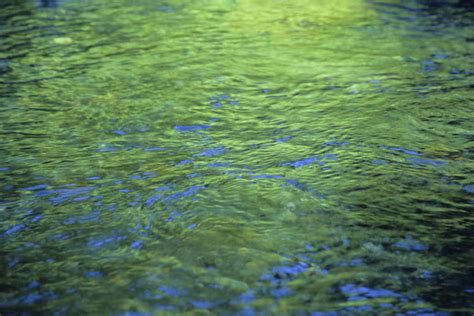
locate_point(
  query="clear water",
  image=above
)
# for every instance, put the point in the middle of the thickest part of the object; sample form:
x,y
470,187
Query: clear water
x,y
236,157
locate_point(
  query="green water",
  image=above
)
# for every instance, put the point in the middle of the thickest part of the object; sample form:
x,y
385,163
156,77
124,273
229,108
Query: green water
x,y
236,157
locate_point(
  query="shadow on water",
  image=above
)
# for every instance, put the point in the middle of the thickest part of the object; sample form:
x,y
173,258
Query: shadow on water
x,y
464,4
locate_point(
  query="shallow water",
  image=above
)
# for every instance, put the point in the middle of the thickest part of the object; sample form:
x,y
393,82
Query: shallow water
x,y
236,157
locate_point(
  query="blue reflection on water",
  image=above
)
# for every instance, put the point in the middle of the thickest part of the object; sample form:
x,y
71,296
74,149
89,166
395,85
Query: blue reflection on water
x,y
153,199
379,162
171,292
212,152
164,188
336,143
191,128
154,149
66,192
405,151
137,244
14,229
37,218
106,149
246,297
301,163
283,139
281,292
93,274
410,244
184,162
100,242
35,187
188,192
351,289
293,270
33,284
203,304
469,188
218,164
93,178
166,9
417,161
266,176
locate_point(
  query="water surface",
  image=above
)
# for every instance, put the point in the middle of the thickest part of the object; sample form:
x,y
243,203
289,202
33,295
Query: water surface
x,y
236,157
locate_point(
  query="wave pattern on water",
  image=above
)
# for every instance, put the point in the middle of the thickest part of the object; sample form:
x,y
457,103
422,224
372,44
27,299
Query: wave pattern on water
x,y
237,157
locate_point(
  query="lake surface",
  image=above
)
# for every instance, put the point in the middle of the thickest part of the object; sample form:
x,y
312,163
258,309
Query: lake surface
x,y
236,157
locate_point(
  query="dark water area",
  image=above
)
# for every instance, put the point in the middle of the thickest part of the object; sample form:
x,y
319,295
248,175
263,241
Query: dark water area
x,y
236,157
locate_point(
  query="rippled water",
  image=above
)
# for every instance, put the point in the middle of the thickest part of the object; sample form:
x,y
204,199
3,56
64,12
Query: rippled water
x,y
237,157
